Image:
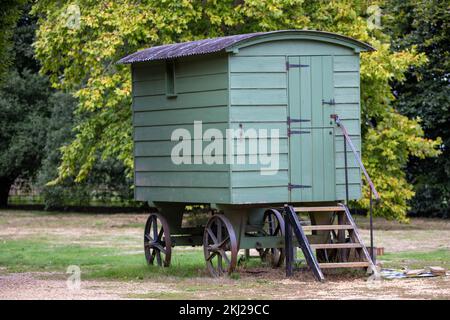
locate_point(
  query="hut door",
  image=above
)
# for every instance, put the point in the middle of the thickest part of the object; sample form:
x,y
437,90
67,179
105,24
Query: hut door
x,y
311,136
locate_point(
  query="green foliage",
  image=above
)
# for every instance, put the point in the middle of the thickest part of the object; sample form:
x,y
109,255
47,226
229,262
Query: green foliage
x,y
10,13
23,118
80,57
106,182
426,93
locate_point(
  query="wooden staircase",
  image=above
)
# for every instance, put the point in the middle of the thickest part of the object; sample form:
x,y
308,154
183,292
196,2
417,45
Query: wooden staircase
x,y
330,240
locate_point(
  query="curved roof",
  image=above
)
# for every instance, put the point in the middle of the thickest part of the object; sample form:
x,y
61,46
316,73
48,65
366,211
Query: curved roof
x,y
233,43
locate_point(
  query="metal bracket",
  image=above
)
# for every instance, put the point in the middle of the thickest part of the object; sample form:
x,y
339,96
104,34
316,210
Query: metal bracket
x,y
296,132
297,186
290,65
330,102
290,120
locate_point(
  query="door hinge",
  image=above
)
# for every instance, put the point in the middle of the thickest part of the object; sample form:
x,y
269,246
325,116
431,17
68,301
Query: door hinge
x,y
330,102
290,120
290,65
297,186
296,132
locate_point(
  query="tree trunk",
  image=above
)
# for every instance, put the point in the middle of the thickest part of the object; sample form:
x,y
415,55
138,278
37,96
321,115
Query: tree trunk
x,y
5,186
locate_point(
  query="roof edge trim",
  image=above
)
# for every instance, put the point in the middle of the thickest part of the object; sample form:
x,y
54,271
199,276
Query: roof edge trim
x,y
314,35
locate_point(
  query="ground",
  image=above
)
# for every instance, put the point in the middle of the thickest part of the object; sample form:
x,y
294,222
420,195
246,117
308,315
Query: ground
x,y
37,248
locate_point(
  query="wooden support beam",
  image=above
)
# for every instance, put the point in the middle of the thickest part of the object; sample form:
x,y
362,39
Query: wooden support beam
x,y
318,209
361,264
336,245
325,227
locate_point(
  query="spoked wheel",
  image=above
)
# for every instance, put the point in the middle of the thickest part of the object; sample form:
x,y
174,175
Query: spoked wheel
x,y
273,226
157,242
220,246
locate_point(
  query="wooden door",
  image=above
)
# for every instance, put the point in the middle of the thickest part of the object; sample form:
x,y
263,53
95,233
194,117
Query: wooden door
x,y
311,136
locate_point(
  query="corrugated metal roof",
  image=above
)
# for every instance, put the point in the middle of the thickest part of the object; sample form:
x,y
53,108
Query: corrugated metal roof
x,y
177,50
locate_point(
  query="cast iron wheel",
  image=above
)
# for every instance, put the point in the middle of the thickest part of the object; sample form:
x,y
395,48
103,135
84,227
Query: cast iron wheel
x,y
157,242
273,226
220,246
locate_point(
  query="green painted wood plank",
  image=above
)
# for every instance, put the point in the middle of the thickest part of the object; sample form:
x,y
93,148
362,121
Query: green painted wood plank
x,y
346,79
164,132
258,113
164,148
183,100
191,195
327,91
352,126
346,95
246,179
181,116
339,143
318,165
293,48
316,92
148,71
257,64
305,112
354,191
329,166
295,93
348,111
346,63
202,83
200,179
260,195
283,163
261,125
258,80
149,88
307,157
201,65
351,160
164,163
155,164
258,97
354,176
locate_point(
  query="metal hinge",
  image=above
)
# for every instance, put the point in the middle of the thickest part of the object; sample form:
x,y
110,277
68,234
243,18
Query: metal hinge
x,y
290,120
290,65
330,102
297,186
296,132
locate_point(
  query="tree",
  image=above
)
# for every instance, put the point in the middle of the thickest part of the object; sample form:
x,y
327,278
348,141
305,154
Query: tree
x,y
23,118
106,180
426,93
78,46
9,15
24,109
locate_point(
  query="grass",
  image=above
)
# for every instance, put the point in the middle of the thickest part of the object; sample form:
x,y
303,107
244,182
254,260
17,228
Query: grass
x,y
95,262
413,260
109,247
43,255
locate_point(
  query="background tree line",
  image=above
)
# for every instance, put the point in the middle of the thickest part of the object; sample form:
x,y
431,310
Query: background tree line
x,y
37,120
70,123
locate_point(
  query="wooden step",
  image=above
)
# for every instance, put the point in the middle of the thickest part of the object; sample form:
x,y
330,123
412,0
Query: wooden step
x,y
336,245
359,264
325,227
319,209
